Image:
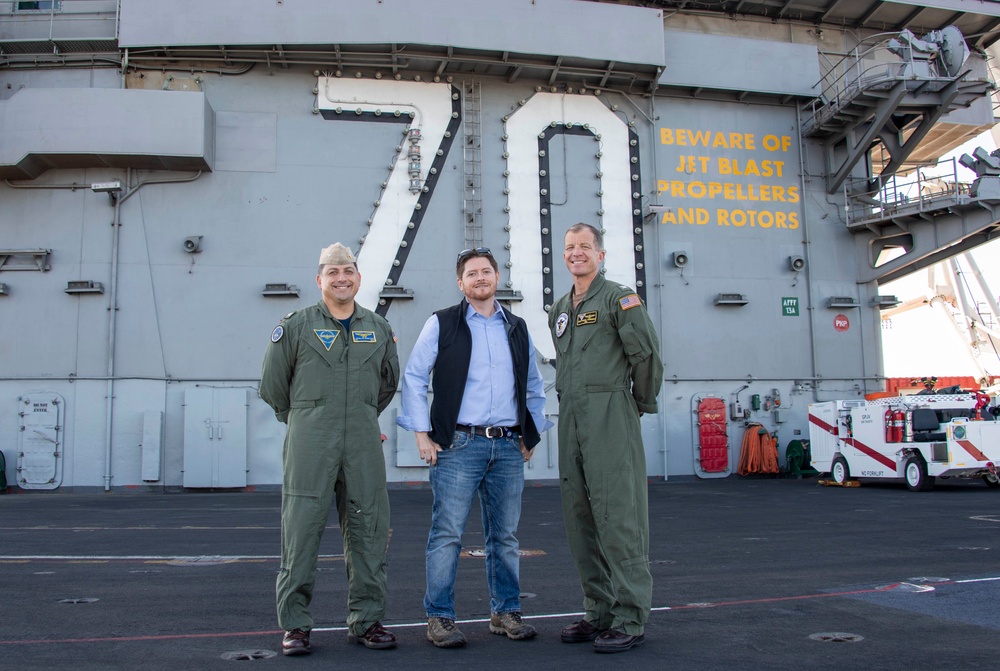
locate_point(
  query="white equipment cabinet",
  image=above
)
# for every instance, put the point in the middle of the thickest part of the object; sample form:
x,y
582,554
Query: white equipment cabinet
x,y
215,438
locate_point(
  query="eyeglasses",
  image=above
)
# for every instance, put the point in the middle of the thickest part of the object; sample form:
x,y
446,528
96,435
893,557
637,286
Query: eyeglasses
x,y
466,253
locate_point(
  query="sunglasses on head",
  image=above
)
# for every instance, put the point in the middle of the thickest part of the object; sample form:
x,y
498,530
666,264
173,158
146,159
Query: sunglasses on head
x,y
466,253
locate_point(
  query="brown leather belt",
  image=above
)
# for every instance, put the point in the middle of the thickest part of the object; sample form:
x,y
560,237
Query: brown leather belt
x,y
490,431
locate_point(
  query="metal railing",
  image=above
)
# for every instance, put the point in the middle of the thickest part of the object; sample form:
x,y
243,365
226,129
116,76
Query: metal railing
x,y
54,20
870,65
925,189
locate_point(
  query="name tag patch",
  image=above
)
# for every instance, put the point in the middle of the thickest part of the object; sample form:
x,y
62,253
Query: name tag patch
x,y
363,336
327,337
586,318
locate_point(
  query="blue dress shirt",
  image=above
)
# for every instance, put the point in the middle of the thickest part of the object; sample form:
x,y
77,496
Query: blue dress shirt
x,y
489,397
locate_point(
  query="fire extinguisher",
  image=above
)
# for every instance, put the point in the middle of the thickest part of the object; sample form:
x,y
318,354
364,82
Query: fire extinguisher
x,y
888,425
898,421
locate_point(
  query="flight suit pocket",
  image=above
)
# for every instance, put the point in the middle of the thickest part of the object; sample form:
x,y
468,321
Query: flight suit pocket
x,y
632,344
363,517
371,374
311,370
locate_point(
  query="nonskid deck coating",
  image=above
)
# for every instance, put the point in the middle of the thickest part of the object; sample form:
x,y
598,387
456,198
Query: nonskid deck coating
x,y
747,574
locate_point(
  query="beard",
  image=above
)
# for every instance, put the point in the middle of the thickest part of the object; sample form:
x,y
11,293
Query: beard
x,y
482,292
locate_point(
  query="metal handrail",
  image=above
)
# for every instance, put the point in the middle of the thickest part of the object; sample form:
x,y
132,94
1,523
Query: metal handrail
x,y
57,11
849,76
906,194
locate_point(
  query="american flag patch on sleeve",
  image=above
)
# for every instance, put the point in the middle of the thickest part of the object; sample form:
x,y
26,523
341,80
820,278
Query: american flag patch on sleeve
x,y
630,301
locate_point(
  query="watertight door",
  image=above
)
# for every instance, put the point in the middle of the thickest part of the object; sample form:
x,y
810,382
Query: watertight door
x,y
40,448
711,442
215,438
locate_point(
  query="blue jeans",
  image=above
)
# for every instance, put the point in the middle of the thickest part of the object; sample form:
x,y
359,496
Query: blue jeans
x,y
495,468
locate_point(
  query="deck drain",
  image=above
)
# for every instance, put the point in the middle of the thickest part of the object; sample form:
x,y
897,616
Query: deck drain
x,y
906,587
210,560
836,637
248,655
480,553
88,599
527,595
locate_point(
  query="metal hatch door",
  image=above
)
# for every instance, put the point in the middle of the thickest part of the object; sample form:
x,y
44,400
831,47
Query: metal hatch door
x,y
40,448
215,438
711,440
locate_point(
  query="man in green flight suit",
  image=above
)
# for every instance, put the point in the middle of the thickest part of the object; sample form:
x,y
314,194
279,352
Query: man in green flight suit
x,y
608,373
329,371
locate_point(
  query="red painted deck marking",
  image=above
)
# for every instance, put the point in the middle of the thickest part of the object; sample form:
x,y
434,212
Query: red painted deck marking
x,y
174,637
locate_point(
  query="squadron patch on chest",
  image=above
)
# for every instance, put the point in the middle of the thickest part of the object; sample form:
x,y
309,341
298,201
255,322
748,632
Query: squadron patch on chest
x,y
586,318
363,336
327,337
561,322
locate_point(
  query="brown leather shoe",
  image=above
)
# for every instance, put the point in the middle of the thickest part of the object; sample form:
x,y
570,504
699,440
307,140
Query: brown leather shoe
x,y
295,642
375,637
617,641
580,632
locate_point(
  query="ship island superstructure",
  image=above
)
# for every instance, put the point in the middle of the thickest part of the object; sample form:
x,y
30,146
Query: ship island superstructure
x,y
169,170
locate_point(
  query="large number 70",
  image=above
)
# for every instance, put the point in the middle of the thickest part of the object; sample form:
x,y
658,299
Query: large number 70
x,y
434,111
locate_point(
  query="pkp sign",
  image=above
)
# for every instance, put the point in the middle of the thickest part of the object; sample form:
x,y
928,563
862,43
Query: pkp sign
x,y
841,323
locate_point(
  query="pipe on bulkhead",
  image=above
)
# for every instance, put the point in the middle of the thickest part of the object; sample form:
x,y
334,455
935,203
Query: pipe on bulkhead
x,y
112,327
113,308
806,245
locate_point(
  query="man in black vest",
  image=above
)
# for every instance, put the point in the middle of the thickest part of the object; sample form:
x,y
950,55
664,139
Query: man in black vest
x,y
485,419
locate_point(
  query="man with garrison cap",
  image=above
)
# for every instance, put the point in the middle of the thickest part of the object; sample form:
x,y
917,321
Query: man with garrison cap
x,y
329,371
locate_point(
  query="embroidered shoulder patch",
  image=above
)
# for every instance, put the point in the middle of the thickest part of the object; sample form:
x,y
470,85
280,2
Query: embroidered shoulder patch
x,y
629,302
561,323
586,318
276,334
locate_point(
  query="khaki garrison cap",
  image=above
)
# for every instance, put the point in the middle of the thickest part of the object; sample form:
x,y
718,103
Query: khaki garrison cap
x,y
336,255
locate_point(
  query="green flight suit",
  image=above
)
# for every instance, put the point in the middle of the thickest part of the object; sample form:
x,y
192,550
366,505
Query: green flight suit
x,y
330,394
608,371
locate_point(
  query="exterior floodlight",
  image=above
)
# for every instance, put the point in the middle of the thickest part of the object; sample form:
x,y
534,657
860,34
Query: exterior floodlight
x,y
796,263
107,187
